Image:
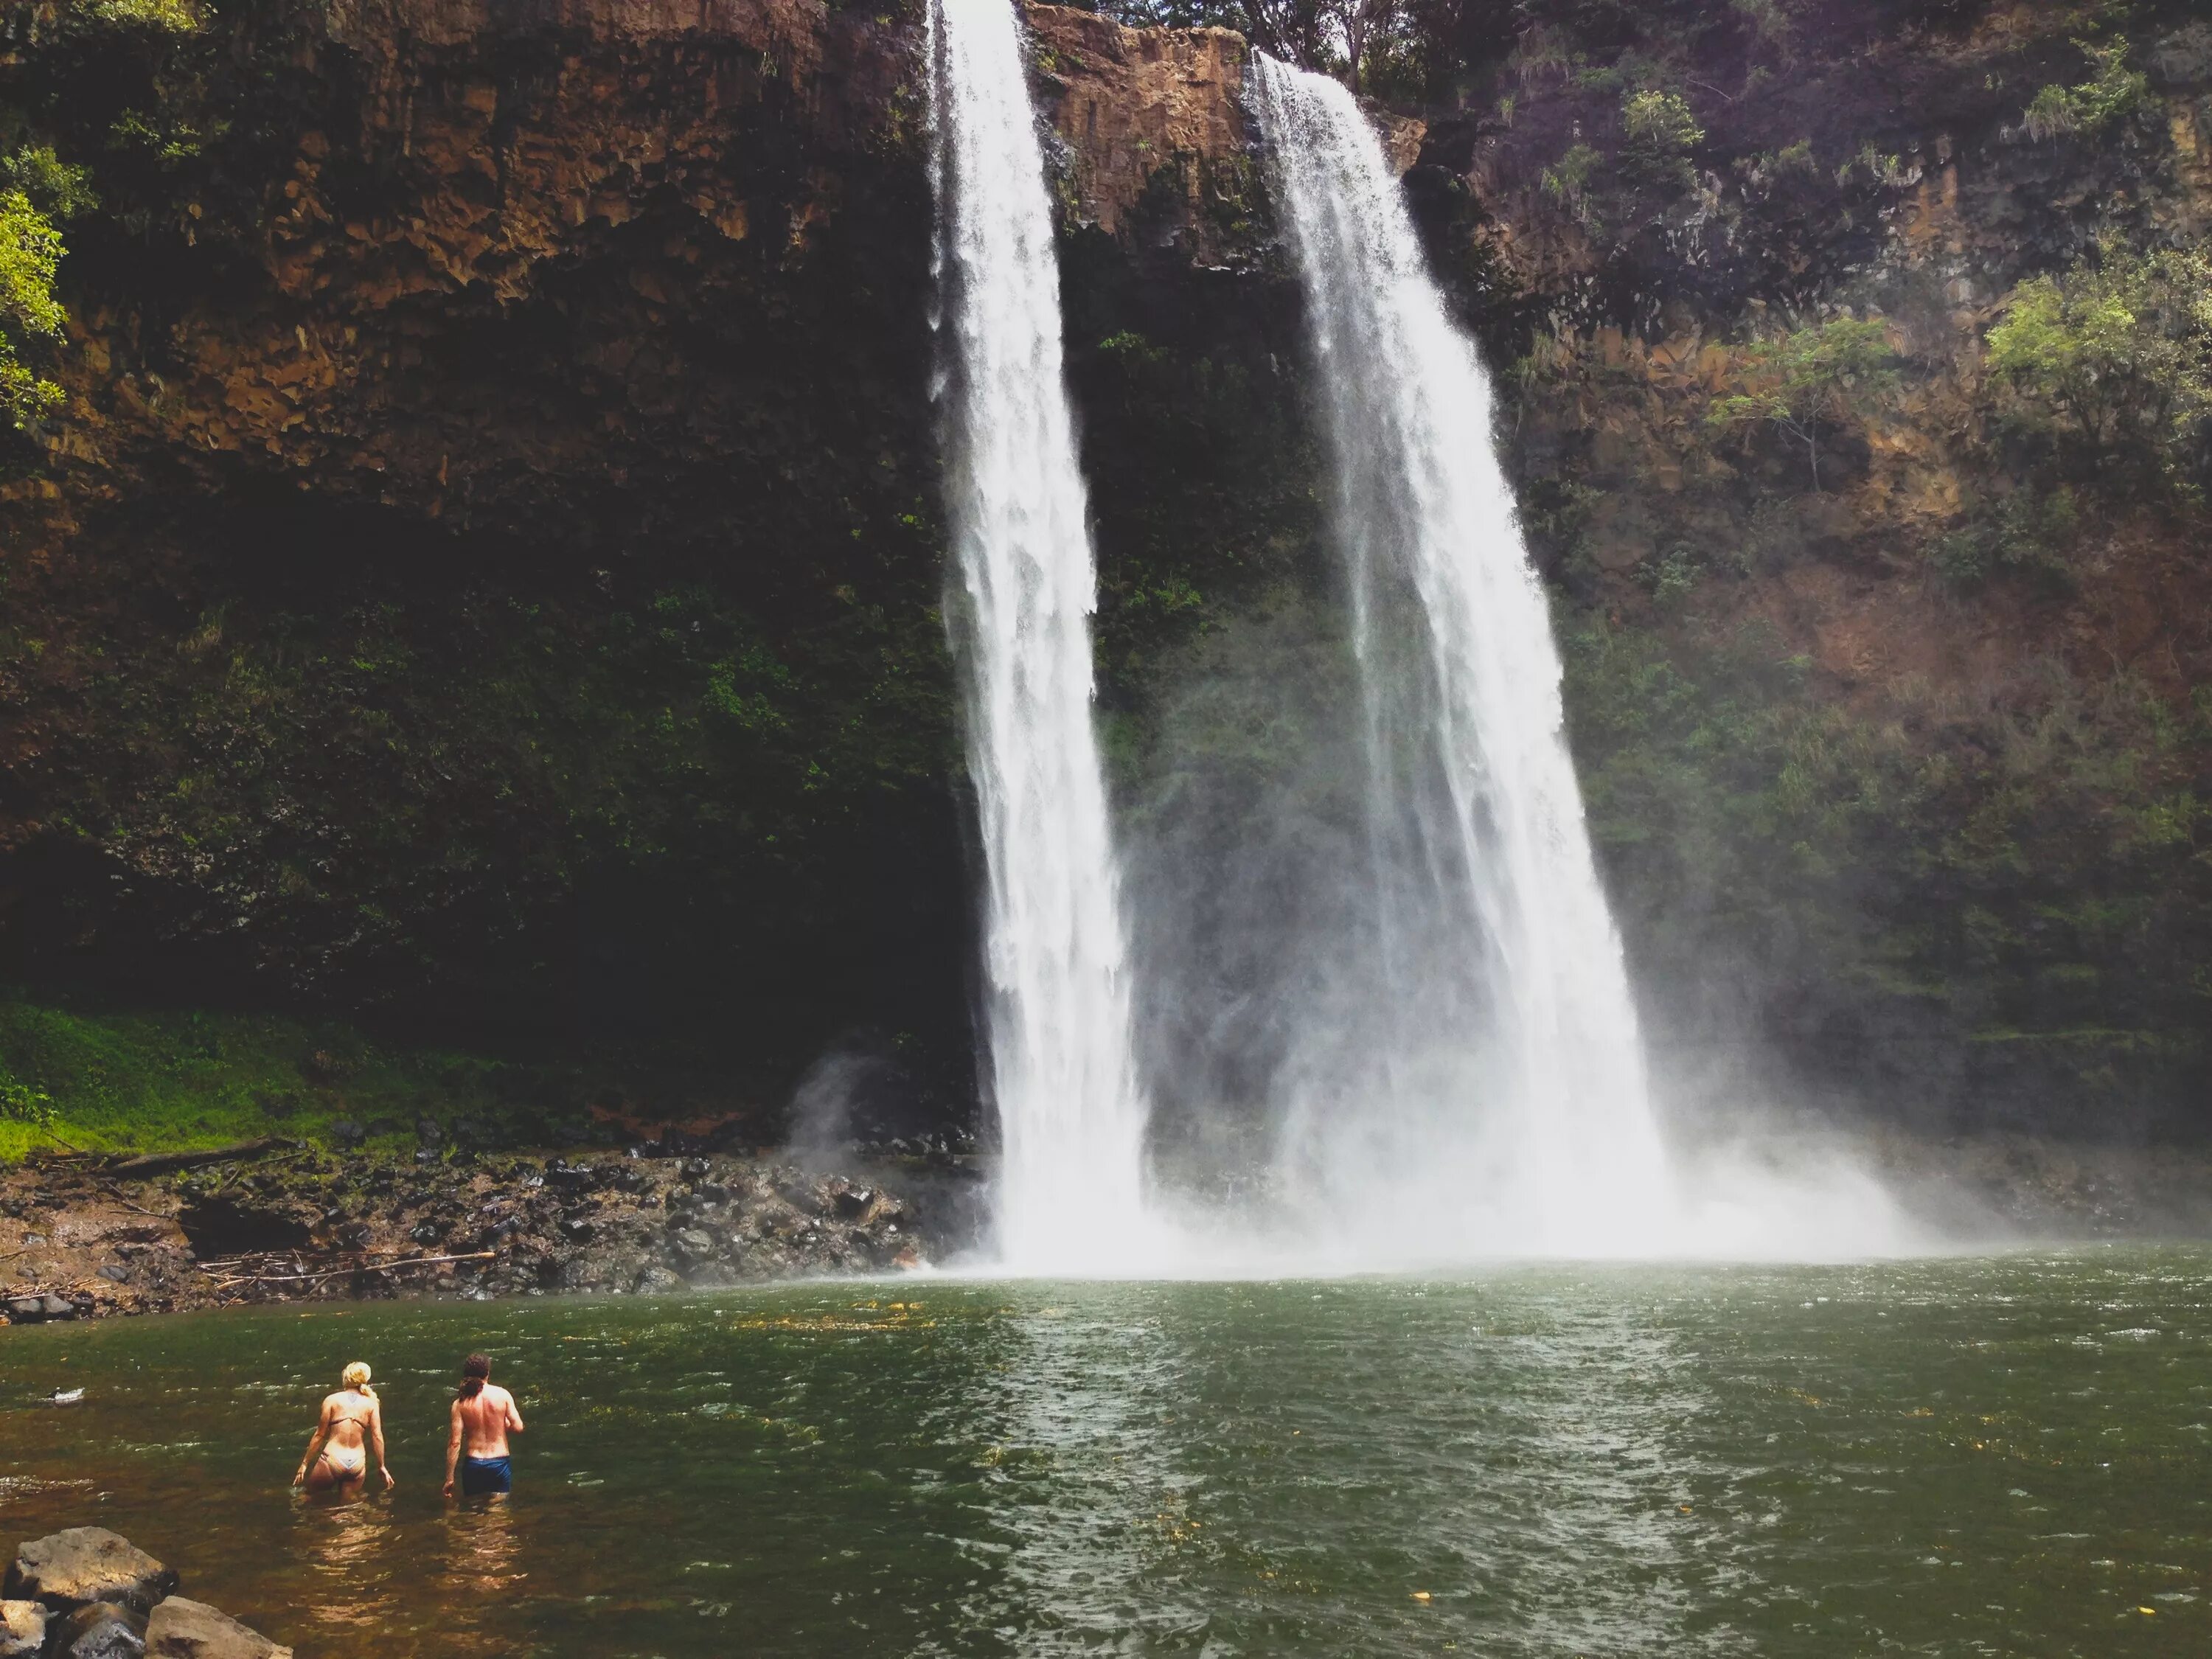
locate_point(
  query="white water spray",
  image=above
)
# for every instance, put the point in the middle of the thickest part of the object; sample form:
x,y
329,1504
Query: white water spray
x,y
1071,1120
1477,1083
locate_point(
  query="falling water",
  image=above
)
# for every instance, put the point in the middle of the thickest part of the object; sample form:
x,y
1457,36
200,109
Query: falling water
x,y
1480,1082
1071,1118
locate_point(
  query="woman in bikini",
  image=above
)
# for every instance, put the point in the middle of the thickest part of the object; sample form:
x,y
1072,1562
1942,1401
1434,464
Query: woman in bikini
x,y
351,1427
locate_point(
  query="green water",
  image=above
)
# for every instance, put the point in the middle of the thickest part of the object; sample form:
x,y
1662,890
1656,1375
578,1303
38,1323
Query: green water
x,y
1990,1456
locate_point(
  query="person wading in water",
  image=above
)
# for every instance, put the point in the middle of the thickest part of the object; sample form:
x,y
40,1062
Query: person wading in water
x,y
351,1427
483,1416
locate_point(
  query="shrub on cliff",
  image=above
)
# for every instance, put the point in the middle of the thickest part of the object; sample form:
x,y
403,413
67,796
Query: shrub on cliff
x,y
1812,380
2116,353
30,251
2083,110
1659,133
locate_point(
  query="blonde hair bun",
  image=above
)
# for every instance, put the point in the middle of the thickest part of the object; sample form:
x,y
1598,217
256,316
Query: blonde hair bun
x,y
356,1376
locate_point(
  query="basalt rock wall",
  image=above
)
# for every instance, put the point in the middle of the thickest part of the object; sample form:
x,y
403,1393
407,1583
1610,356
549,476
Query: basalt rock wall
x,y
485,578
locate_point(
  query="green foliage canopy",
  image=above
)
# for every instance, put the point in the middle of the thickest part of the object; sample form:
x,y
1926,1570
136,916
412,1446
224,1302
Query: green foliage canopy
x,y
1659,132
2119,350
30,251
1811,378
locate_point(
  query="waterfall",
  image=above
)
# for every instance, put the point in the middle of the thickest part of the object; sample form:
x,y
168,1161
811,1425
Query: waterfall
x,y
1477,1082
1057,1022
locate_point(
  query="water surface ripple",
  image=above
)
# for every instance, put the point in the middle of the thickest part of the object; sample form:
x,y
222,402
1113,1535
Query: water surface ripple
x,y
1979,1457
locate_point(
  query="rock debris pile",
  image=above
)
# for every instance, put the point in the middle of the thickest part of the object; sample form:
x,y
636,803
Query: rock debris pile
x,y
299,1224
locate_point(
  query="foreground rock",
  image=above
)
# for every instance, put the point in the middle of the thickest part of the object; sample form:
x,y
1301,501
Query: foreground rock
x,y
87,1593
297,1224
99,1629
192,1630
22,1629
70,1570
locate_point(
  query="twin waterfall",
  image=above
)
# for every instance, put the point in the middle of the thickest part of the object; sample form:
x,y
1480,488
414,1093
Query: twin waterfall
x,y
1484,1092
1056,1015
1503,1105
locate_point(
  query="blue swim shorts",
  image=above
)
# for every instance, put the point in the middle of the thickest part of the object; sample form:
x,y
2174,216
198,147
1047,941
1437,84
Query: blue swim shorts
x,y
480,1475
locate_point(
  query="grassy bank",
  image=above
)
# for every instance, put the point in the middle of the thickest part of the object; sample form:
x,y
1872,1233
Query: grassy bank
x,y
176,1080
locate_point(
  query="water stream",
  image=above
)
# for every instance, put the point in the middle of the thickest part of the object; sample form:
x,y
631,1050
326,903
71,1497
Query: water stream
x,y
1475,1082
1061,1072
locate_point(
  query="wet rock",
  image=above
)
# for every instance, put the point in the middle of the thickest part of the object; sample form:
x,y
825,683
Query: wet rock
x,y
192,1630
692,1244
657,1280
346,1132
99,1629
55,1307
22,1629
27,1310
853,1202
68,1568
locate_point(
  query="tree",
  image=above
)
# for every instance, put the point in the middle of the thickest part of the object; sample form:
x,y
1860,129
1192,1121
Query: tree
x,y
36,189
1813,378
30,251
2119,347
1659,132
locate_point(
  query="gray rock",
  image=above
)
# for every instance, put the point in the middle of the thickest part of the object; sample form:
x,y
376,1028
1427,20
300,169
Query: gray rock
x,y
99,1629
22,1629
657,1280
693,1242
56,1308
65,1570
2185,56
192,1630
27,1310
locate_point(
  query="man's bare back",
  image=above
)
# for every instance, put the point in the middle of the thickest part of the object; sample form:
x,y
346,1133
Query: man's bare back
x,y
484,1415
486,1419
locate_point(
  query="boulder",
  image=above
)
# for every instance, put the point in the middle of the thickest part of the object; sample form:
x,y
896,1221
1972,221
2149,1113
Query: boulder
x,y
65,1570
99,1629
22,1629
27,1310
56,1307
693,1243
192,1630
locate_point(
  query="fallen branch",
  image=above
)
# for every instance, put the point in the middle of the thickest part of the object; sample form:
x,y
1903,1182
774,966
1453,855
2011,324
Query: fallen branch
x,y
362,1268
156,1163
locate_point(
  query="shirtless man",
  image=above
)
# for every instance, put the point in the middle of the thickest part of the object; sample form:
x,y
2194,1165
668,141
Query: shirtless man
x,y
483,1416
351,1427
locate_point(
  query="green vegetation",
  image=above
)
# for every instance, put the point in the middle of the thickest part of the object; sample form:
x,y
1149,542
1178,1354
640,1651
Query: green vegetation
x,y
2117,352
1566,181
39,192
2114,91
159,1082
2024,532
1660,133
1810,380
30,251
169,1081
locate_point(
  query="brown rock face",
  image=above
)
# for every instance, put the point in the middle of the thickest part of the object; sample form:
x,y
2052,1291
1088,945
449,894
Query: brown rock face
x,y
1158,141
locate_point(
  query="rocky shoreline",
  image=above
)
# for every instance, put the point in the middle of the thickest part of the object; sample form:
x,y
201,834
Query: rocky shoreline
x,y
80,1238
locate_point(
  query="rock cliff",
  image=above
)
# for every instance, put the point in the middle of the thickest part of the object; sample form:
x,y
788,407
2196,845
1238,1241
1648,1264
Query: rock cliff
x,y
483,580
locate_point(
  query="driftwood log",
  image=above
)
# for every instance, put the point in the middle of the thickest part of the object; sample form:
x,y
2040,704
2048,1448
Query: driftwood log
x,y
149,1164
